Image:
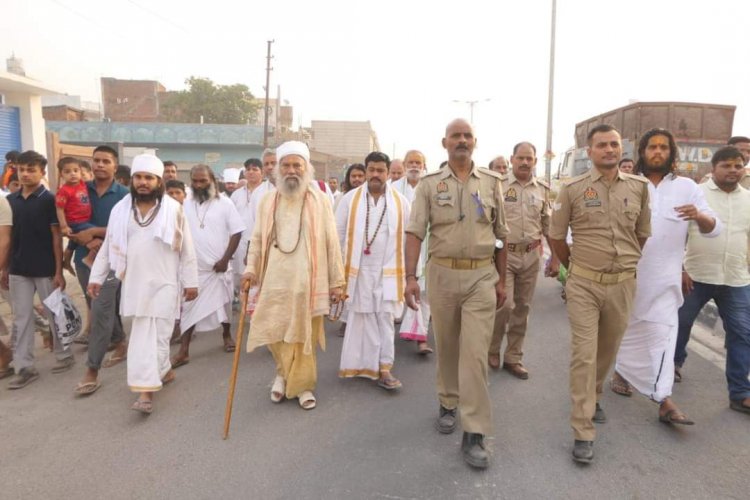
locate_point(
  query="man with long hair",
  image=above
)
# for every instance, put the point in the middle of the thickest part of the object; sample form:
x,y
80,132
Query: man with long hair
x,y
216,227
645,358
148,237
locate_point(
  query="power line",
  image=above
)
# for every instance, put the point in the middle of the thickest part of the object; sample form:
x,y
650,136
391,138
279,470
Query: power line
x,y
94,22
156,14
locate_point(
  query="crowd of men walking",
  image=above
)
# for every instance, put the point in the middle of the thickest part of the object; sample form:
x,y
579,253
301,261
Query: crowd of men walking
x,y
457,252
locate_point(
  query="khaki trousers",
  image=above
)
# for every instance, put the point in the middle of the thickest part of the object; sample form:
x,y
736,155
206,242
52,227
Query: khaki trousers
x,y
598,316
463,307
299,370
513,317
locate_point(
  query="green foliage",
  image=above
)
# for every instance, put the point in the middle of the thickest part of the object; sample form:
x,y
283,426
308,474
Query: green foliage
x,y
216,103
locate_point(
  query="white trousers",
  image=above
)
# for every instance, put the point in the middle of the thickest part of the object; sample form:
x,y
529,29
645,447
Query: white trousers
x,y
646,358
148,353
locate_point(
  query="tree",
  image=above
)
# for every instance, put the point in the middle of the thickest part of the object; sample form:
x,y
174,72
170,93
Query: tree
x,y
215,103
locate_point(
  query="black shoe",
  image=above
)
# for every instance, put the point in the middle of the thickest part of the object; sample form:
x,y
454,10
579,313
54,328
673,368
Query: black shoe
x,y
24,377
599,416
583,451
474,452
736,405
446,422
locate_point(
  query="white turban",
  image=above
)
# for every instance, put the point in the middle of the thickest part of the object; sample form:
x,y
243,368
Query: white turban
x,y
147,164
293,148
231,175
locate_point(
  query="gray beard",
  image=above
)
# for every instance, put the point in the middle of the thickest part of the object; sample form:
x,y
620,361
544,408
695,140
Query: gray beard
x,y
203,195
291,187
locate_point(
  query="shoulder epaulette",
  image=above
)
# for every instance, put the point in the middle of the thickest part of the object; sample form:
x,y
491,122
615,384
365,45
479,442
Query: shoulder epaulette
x,y
491,173
543,182
635,177
576,179
430,174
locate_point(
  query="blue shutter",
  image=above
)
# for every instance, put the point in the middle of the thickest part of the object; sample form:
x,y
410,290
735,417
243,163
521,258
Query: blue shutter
x,y
10,130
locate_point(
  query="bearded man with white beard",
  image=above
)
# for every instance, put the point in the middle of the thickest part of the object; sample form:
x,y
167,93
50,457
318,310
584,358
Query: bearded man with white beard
x,y
216,227
415,324
295,260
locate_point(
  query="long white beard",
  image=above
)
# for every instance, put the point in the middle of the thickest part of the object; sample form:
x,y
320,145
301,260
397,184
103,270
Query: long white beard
x,y
291,189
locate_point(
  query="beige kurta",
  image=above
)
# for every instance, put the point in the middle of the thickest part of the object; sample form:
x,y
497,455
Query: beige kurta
x,y
294,287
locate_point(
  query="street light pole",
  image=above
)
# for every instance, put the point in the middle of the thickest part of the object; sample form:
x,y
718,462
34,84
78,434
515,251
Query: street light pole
x,y
268,83
471,107
550,96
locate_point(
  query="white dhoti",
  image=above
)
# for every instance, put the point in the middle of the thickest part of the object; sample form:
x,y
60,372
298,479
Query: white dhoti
x,y
212,224
155,262
646,355
646,358
148,353
368,345
375,281
213,305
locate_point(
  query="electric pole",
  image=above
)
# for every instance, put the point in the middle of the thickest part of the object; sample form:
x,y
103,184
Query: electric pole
x,y
268,84
550,96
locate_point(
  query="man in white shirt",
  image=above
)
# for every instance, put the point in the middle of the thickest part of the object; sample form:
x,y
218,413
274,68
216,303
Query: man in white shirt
x,y
216,228
716,268
644,360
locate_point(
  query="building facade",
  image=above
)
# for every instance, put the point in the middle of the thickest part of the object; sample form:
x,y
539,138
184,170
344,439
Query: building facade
x,y
345,139
131,100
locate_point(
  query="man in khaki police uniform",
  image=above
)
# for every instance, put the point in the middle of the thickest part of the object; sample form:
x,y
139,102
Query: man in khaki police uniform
x,y
463,207
527,211
609,216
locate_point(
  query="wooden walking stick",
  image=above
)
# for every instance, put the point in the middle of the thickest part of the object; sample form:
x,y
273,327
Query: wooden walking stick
x,y
235,363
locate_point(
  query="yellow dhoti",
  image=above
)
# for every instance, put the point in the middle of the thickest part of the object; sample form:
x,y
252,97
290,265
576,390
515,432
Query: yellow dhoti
x,y
298,369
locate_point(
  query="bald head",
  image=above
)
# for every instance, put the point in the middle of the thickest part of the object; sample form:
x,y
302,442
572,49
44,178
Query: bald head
x,y
459,142
458,122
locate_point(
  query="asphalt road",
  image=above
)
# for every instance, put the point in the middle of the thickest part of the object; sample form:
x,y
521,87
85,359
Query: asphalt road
x,y
362,442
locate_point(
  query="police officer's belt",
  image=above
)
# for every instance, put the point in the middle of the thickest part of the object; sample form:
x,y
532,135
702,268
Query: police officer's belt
x,y
461,263
603,278
523,248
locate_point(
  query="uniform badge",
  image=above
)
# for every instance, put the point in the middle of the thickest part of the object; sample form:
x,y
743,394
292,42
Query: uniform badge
x,y
442,187
510,195
591,198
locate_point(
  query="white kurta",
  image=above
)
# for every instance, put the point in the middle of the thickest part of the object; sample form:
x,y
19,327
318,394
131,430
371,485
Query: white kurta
x,y
368,344
242,202
646,354
150,295
212,224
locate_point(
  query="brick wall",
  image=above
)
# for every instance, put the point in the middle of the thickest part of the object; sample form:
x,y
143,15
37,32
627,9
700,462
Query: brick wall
x,y
131,100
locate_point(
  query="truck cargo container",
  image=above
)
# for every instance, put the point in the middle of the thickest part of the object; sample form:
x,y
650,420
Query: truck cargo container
x,y
699,130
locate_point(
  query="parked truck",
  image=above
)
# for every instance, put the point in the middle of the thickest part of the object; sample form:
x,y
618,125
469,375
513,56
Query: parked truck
x,y
699,130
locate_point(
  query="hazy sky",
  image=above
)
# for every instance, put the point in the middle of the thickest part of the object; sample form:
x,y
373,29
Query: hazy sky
x,y
401,64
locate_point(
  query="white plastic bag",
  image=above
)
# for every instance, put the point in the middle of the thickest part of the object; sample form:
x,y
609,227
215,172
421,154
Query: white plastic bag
x,y
67,318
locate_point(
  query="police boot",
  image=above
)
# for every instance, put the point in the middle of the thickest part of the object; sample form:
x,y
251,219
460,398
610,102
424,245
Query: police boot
x,y
583,451
473,450
446,422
